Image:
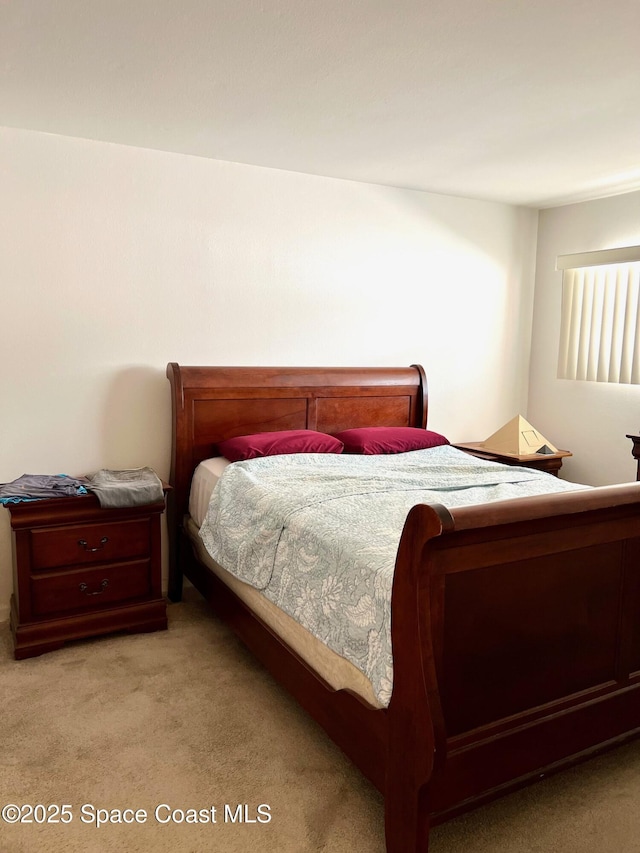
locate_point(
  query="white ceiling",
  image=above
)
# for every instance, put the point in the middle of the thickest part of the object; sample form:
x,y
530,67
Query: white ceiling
x,y
533,102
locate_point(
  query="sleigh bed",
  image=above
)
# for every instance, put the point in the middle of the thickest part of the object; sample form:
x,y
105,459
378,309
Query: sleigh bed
x,y
514,624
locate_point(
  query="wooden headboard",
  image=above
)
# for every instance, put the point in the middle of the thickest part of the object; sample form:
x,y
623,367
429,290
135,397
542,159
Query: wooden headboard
x,y
213,403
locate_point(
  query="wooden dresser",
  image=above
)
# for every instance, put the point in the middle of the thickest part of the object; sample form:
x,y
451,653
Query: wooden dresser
x,y
80,570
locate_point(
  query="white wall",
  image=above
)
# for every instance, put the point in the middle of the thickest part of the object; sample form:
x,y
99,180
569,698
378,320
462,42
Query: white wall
x,y
589,418
116,260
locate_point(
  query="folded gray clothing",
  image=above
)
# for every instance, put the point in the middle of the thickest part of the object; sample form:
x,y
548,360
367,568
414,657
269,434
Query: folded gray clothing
x,y
132,487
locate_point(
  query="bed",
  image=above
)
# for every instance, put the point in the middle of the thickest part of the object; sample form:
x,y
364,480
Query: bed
x,y
514,629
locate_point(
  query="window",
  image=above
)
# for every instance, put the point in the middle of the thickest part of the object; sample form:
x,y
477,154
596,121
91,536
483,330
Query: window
x,y
600,326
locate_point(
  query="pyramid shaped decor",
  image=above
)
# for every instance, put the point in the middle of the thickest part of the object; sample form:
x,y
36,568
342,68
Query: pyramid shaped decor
x,y
518,438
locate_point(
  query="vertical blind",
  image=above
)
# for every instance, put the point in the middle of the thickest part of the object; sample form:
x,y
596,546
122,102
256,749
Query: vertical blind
x,y
600,325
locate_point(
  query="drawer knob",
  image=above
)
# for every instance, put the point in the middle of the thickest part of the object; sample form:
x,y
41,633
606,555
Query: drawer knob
x,y
85,589
103,542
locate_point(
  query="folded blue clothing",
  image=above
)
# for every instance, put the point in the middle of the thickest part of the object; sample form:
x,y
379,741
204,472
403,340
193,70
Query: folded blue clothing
x,y
36,487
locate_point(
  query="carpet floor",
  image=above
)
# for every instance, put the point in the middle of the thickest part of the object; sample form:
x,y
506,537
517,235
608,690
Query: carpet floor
x,y
186,720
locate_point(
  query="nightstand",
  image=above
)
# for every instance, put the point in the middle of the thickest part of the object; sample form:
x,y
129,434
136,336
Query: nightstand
x,y
80,571
549,462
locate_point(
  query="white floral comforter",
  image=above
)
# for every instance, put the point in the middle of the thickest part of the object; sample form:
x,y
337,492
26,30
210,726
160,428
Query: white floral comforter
x,y
319,533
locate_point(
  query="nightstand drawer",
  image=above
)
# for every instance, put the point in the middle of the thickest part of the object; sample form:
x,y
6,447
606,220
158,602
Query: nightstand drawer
x,y
89,543
96,587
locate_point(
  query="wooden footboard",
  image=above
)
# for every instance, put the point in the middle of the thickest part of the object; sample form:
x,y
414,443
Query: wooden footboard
x,y
516,645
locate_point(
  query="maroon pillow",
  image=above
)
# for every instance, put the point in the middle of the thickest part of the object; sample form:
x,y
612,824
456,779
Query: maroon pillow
x,y
281,441
371,440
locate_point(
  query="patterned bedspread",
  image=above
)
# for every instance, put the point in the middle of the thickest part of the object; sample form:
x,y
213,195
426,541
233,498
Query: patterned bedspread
x,y
319,533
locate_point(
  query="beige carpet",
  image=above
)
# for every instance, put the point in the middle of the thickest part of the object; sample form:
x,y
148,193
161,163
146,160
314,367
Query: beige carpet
x,y
186,718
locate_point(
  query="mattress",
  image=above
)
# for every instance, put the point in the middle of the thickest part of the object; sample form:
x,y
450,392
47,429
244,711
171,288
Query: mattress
x,y
204,481
339,673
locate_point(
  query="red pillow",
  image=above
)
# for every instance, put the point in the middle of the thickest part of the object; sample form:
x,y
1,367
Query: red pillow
x,y
371,440
281,441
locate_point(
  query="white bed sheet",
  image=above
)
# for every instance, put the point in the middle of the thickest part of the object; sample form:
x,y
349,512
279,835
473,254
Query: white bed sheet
x,y
204,482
